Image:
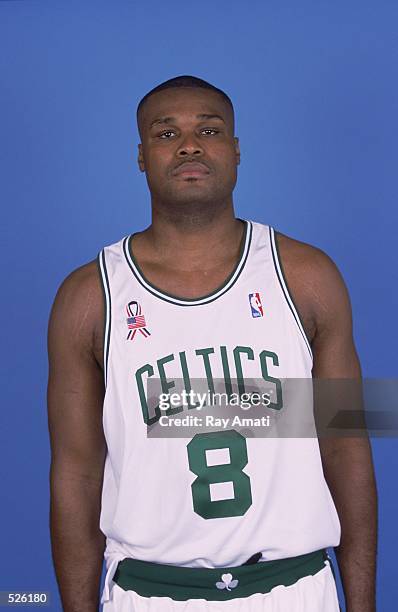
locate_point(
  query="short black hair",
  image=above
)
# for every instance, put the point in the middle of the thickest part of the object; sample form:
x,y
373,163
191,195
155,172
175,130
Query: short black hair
x,y
185,80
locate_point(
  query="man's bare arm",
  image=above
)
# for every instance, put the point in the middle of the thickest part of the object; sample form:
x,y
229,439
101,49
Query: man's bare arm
x,y
347,462
323,302
78,448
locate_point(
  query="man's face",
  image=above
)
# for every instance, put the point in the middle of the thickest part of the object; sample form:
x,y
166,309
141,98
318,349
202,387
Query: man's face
x,y
188,151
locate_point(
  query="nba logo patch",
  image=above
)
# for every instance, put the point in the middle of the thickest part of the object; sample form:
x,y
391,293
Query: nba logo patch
x,y
256,305
135,321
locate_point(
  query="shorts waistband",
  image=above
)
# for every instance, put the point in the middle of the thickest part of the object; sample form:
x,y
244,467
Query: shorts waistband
x,y
215,584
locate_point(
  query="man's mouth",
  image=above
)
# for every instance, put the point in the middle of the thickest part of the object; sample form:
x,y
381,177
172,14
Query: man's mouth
x,y
191,169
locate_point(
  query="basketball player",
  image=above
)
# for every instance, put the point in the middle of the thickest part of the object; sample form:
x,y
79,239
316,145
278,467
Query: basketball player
x,y
216,522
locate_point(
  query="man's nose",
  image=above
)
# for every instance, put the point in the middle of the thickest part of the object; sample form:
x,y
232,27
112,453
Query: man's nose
x,y
189,146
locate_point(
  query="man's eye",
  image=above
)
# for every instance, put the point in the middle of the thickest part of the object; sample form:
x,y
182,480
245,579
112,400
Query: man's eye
x,y
165,134
211,130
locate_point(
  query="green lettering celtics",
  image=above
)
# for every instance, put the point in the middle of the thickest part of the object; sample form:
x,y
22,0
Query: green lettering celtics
x,y
234,364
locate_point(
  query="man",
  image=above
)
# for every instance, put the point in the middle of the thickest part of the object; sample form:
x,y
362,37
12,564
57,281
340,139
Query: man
x,y
201,294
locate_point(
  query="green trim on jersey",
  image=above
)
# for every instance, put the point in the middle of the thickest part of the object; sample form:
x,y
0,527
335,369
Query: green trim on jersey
x,y
282,281
183,583
206,299
101,263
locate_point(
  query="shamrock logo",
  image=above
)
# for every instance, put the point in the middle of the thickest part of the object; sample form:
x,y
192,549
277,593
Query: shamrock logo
x,y
227,582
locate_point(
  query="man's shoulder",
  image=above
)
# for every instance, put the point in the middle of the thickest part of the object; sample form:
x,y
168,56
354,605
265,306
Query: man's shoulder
x,y
313,265
81,283
302,253
79,304
313,278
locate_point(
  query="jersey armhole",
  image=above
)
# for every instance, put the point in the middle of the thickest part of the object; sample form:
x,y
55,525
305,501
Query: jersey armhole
x,y
282,281
101,263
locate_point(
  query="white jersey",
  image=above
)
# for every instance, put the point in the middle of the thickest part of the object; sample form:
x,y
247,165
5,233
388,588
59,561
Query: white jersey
x,y
161,502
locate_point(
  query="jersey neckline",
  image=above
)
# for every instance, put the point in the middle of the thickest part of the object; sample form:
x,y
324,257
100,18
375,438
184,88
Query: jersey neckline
x,y
205,299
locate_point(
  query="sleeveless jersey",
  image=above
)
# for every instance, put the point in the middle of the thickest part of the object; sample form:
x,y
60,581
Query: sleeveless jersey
x,y
161,501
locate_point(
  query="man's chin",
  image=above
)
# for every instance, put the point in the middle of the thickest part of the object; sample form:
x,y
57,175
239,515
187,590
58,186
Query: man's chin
x,y
191,195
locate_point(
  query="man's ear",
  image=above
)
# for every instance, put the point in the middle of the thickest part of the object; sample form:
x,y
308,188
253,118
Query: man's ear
x,y
140,159
237,149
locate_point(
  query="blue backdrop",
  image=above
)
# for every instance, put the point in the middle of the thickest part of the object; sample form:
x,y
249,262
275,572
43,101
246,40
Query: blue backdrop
x,y
315,90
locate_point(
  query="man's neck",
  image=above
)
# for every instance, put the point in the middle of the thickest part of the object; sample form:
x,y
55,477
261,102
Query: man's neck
x,y
200,244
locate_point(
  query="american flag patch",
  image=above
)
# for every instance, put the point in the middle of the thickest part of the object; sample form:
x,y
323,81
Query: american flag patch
x,y
135,321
